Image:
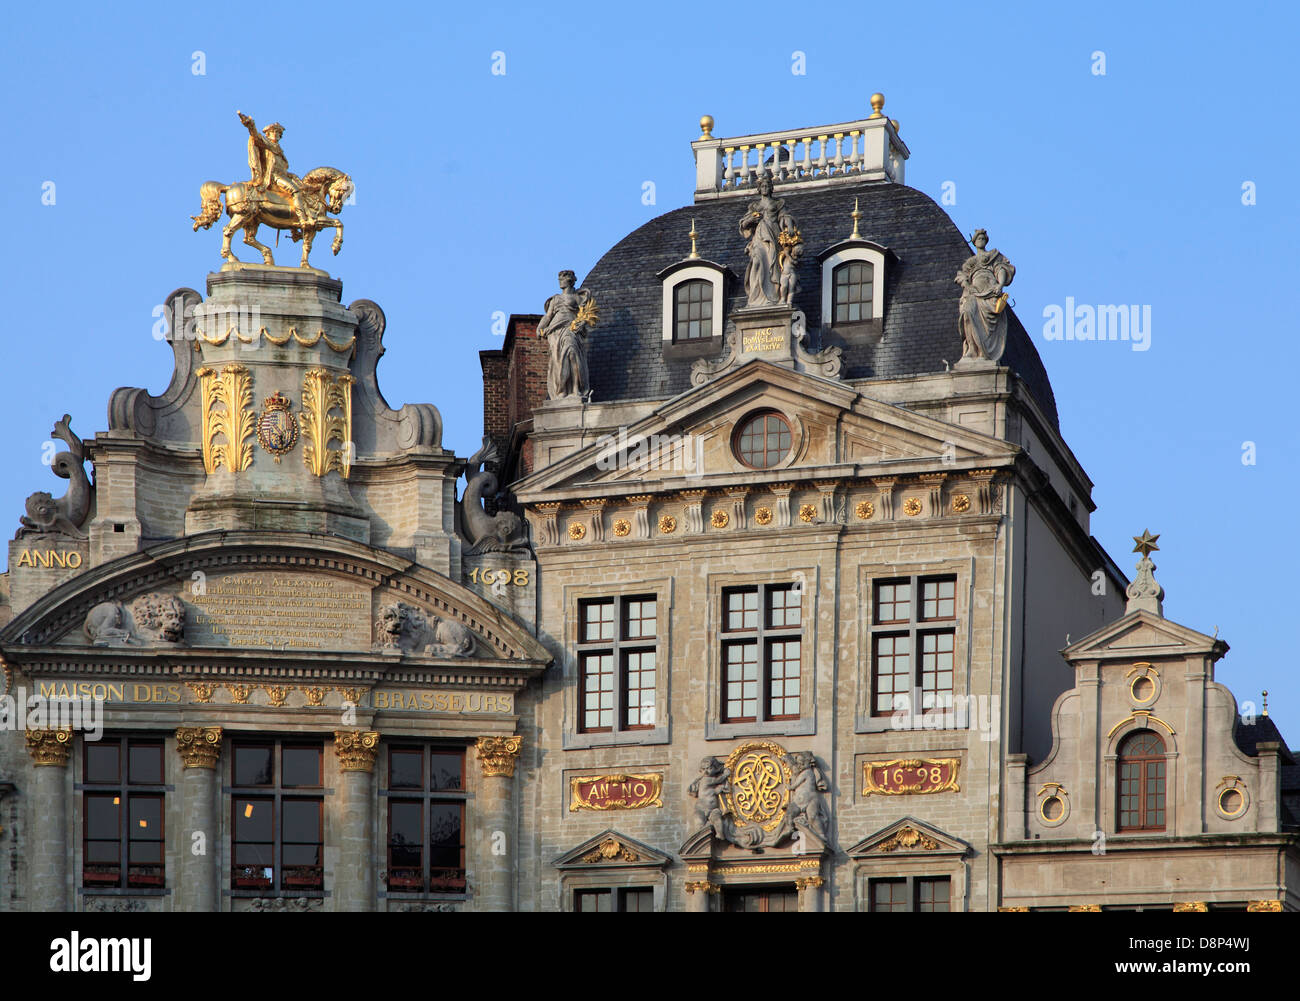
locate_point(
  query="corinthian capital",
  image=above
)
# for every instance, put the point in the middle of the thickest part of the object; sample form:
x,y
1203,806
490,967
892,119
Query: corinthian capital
x,y
199,746
49,747
356,749
497,754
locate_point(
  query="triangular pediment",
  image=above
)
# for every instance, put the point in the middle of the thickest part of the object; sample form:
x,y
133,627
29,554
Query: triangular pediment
x,y
611,849
1143,634
835,430
909,837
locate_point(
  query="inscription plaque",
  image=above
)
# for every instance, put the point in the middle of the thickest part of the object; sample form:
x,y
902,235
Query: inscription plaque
x,y
281,610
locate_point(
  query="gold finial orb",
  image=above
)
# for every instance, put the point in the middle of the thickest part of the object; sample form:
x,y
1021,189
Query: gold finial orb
x,y
877,102
706,127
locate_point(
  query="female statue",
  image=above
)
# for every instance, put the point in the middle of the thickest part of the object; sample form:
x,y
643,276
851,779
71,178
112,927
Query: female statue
x,y
569,315
762,226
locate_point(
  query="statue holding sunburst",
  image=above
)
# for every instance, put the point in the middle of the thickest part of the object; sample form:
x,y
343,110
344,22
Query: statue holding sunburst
x,y
570,314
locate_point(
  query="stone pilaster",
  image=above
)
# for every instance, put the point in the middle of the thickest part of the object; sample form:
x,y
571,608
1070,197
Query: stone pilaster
x,y
354,873
50,751
496,809
200,751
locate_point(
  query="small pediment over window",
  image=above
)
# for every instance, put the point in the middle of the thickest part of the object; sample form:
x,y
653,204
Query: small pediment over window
x,y
611,850
909,837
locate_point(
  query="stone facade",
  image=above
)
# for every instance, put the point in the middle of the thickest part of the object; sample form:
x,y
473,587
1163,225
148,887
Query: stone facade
x,y
638,662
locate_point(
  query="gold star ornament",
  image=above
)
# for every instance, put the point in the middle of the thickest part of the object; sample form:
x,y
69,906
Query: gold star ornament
x,y
1146,543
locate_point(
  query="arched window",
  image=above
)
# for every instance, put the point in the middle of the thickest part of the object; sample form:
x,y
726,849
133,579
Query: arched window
x,y
1142,779
692,310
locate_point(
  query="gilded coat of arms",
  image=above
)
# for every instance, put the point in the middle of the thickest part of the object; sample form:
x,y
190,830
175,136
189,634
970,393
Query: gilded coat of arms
x,y
277,428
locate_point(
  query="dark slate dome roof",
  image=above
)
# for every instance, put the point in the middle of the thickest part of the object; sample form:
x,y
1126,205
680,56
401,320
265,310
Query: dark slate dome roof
x,y
625,353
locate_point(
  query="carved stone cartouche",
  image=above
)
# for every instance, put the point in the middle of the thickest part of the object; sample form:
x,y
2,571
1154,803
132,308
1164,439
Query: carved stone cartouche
x,y
65,515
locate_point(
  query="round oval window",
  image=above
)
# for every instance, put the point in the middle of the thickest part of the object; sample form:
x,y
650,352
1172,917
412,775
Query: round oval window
x,y
1053,809
1231,802
762,440
1144,689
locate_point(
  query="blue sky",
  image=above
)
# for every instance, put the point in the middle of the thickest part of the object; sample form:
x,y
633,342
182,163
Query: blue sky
x,y
473,189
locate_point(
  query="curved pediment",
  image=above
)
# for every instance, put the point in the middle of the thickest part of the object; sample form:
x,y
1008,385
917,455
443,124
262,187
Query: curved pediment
x,y
286,592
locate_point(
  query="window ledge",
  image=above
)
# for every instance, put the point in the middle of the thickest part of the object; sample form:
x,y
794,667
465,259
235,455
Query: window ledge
x,y
623,738
770,728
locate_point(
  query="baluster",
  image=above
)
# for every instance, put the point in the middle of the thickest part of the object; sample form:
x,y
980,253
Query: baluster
x,y
761,168
821,155
807,156
855,154
839,153
790,170
744,166
728,174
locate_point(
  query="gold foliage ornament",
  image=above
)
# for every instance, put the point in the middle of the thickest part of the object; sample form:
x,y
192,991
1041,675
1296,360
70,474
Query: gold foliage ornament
x,y
227,399
322,395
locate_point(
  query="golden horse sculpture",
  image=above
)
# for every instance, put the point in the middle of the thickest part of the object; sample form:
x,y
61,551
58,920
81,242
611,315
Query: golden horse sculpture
x,y
275,198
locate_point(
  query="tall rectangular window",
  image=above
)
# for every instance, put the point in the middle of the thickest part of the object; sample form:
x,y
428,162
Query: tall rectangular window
x,y
122,803
277,807
913,643
617,663
762,647
426,819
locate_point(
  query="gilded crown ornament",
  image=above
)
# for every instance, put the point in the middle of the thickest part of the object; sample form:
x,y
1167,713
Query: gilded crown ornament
x,y
275,197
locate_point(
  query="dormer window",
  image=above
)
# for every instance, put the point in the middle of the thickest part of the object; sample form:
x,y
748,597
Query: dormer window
x,y
692,310
853,288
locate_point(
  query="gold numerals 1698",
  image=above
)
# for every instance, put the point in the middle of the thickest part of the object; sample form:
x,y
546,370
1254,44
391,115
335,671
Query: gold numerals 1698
x,y
519,578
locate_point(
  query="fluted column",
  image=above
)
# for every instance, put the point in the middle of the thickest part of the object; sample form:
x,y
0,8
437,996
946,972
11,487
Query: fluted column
x,y
200,750
354,874
495,805
48,867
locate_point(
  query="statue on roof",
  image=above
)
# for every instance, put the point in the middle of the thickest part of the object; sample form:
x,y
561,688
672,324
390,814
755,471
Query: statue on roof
x,y
570,315
772,236
982,317
275,197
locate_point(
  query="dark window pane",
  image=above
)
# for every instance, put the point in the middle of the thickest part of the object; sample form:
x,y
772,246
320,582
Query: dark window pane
x,y
103,817
593,901
102,762
252,765
637,900
405,769
145,764
406,823
301,819
446,770
301,766
146,817
253,820
445,824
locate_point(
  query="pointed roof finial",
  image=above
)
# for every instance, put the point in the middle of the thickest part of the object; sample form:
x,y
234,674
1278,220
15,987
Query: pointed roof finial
x,y
857,215
1264,712
694,255
1145,593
